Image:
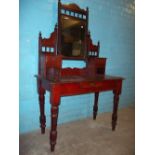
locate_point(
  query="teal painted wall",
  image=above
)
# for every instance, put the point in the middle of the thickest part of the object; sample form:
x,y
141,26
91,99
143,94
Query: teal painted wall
x,y
111,22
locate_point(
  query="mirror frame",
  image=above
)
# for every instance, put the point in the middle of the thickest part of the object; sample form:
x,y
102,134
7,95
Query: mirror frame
x,y
74,11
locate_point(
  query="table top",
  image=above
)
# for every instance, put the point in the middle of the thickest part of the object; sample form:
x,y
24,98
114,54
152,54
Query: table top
x,y
71,79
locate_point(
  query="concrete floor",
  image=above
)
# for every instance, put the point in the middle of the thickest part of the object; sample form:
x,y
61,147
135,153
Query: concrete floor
x,y
86,137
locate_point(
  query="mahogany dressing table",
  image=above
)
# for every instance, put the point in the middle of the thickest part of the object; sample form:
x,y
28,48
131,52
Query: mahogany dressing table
x,y
71,40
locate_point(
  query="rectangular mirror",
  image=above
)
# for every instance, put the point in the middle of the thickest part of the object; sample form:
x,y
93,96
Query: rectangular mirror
x,y
72,36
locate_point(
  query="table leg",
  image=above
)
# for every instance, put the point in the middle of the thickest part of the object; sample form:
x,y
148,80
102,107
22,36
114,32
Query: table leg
x,y
115,107
54,118
42,112
95,108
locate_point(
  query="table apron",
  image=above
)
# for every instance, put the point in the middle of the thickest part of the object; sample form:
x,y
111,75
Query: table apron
x,y
84,88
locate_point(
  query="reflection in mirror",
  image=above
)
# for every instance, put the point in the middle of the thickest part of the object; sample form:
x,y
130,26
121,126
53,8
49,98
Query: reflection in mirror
x,y
72,36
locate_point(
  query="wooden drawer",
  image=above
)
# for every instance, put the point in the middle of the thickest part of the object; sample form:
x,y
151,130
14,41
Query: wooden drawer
x,y
89,85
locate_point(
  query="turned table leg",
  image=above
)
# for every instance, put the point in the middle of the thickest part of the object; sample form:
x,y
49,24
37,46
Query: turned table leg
x,y
116,92
42,112
54,118
95,108
115,107
53,132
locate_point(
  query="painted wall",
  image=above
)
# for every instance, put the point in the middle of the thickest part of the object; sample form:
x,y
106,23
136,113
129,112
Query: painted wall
x,y
111,22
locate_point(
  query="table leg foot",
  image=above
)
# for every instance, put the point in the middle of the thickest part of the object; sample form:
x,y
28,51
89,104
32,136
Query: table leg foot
x,y
42,130
114,123
52,148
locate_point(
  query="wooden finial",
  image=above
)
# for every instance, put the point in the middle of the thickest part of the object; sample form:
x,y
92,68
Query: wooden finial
x,y
98,43
87,9
40,35
98,47
56,25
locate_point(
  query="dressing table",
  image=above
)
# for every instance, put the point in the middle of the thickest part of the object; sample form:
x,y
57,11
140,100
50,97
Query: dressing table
x,y
71,40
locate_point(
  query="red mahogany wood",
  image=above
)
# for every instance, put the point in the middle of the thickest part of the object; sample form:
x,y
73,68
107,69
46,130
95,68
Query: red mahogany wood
x,y
48,42
74,85
61,81
115,107
92,49
41,92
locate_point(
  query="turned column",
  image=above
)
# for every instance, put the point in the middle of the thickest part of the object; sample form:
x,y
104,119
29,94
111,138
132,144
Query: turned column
x,y
115,107
116,92
53,132
41,92
55,101
95,108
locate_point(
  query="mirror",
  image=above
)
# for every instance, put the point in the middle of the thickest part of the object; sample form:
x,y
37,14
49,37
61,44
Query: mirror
x,y
72,36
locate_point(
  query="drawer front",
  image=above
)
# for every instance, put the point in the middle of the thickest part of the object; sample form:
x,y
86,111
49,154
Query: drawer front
x,y
94,86
86,87
90,85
